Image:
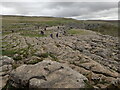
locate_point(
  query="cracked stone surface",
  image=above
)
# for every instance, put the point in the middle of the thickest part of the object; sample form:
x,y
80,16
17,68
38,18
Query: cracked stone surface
x,y
95,53
5,69
47,74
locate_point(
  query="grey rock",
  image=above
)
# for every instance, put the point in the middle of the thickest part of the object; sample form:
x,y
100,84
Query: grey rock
x,y
4,60
5,69
46,74
115,84
101,52
86,52
3,81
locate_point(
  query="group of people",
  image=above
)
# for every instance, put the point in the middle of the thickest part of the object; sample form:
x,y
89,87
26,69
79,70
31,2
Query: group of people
x,y
52,35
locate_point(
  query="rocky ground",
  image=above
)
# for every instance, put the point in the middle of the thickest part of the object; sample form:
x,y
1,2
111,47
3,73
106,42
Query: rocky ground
x,y
46,74
93,56
5,69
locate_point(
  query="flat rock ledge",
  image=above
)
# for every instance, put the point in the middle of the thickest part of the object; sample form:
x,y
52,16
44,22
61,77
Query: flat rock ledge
x,y
46,74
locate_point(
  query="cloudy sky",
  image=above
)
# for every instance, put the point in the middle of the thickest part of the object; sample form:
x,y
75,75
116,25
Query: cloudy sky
x,y
94,9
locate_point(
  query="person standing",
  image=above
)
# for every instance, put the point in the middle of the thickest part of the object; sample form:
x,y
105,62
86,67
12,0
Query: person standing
x,y
57,35
51,35
42,33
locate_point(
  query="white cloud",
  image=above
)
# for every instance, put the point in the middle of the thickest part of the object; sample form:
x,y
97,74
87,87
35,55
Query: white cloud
x,y
79,10
60,1
111,14
6,10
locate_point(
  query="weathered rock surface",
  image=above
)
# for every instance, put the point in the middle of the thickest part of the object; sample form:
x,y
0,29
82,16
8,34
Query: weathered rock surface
x,y
46,74
5,69
95,56
115,84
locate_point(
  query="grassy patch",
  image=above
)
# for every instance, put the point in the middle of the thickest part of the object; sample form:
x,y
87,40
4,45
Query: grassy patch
x,y
103,82
4,42
17,22
107,29
8,52
25,52
87,84
32,34
6,33
54,58
8,86
34,61
45,55
11,53
17,58
14,66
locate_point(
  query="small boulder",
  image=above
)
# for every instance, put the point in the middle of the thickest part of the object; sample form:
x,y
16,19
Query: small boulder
x,y
5,69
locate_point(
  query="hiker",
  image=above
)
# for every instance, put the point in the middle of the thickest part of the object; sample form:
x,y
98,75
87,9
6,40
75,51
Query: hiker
x,y
64,33
46,26
42,33
71,27
57,35
12,31
45,29
51,35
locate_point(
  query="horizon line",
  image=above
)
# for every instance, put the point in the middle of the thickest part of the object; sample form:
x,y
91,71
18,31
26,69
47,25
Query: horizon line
x,y
58,17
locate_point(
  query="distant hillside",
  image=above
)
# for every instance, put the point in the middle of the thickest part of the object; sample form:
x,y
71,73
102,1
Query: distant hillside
x,y
17,23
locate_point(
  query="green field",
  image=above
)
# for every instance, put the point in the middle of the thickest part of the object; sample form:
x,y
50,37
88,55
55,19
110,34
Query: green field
x,y
17,23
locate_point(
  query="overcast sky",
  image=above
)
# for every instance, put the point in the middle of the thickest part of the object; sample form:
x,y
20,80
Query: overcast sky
x,y
105,10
